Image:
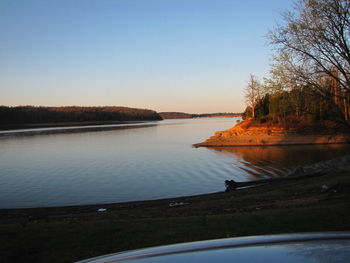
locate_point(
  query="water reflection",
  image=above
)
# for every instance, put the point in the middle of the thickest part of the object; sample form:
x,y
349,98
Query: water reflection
x,y
148,162
271,161
109,165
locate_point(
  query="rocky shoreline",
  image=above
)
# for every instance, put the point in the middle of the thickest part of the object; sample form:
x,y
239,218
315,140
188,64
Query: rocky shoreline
x,y
248,133
329,168
336,165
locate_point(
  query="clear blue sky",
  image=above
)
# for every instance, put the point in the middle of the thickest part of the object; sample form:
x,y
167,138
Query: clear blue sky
x,y
166,55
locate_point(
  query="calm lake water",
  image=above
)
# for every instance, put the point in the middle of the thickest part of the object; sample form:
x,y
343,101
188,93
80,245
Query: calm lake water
x,y
59,167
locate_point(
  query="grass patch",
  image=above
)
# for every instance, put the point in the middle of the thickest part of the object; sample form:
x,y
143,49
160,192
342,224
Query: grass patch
x,y
59,241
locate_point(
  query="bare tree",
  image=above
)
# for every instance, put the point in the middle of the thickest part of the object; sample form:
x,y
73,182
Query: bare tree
x,y
316,37
253,93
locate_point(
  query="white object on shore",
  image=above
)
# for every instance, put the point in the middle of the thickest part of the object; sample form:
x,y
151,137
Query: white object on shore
x,y
178,204
101,210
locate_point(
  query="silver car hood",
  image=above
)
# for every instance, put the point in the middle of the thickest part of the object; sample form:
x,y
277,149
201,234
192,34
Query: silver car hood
x,y
322,247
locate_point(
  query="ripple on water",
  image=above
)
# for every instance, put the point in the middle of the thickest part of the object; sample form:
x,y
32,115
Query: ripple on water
x,y
135,164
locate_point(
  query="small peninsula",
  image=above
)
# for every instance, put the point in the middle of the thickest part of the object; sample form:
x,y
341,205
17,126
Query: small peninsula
x,y
290,112
252,133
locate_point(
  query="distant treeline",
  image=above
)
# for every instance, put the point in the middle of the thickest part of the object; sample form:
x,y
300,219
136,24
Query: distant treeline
x,y
31,114
183,115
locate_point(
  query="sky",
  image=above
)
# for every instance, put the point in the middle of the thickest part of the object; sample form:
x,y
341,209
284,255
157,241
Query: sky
x,y
167,55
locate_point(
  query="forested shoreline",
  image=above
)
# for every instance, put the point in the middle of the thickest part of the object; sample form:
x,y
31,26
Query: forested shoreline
x,y
22,115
